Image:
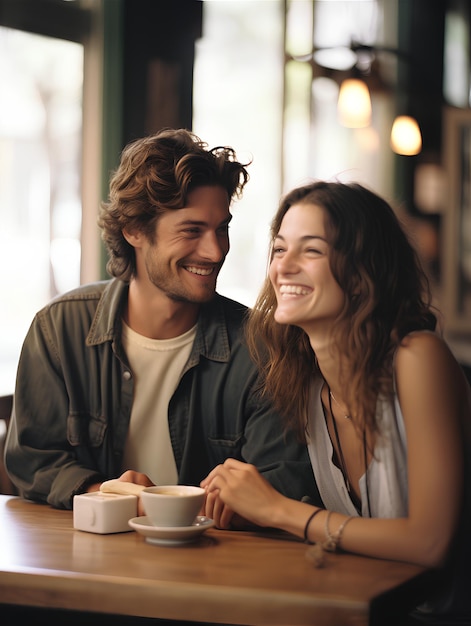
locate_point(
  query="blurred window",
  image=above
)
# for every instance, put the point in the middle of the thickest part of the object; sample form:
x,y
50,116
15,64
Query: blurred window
x,y
238,101
254,90
41,82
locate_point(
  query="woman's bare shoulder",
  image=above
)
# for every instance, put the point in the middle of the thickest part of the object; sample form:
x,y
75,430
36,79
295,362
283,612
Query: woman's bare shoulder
x,y
424,343
425,355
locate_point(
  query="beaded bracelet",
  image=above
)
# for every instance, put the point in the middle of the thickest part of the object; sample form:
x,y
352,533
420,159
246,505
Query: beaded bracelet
x,y
332,542
306,527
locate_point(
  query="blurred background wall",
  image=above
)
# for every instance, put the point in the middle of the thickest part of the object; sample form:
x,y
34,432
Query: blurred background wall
x,y
81,78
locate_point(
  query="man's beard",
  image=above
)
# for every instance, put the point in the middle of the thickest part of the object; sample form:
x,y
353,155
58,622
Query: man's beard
x,y
175,290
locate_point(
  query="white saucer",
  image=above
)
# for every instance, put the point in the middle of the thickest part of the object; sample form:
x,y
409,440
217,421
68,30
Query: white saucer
x,y
170,535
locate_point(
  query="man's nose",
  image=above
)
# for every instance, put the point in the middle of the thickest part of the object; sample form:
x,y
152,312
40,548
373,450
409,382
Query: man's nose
x,y
213,248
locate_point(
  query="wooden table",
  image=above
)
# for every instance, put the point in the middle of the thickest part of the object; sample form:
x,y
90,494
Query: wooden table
x,y
225,576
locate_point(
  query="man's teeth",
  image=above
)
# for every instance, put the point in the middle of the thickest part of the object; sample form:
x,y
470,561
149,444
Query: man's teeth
x,y
294,289
200,271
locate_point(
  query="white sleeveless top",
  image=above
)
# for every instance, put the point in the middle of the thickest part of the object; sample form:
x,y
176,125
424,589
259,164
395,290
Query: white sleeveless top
x,y
387,473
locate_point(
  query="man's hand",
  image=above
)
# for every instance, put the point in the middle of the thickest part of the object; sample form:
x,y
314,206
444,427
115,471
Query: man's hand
x,y
129,483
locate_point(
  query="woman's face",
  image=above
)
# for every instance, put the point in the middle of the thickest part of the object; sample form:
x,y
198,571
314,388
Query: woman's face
x,y
307,294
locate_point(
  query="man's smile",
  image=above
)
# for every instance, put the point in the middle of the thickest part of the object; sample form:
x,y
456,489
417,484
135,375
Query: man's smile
x,y
201,271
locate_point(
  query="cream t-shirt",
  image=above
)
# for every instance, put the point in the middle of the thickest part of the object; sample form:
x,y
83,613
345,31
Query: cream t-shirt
x,y
156,365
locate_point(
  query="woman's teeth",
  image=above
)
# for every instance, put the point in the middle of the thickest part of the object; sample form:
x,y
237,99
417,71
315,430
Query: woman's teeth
x,y
294,289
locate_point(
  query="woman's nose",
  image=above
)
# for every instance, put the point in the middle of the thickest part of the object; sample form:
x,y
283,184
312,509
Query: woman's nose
x,y
288,263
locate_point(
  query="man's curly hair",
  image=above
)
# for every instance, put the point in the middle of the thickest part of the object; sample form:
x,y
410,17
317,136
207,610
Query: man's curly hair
x,y
155,175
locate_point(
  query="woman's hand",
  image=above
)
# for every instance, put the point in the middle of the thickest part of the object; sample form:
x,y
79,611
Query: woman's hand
x,y
238,487
216,510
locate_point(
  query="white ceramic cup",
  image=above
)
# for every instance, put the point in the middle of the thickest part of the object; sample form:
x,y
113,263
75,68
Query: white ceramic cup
x,y
172,505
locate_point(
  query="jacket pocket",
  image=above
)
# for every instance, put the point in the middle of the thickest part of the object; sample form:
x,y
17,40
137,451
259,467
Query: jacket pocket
x,y
227,444
85,429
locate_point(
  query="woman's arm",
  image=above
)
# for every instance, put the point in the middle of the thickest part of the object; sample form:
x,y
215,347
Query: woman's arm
x,y
433,396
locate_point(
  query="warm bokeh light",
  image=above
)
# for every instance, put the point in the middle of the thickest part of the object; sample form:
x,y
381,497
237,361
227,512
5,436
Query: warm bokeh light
x,y
406,138
354,104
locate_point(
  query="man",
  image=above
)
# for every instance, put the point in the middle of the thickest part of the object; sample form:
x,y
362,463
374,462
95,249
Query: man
x,y
146,377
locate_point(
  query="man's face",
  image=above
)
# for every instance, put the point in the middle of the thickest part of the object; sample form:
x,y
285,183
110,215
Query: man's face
x,y
190,247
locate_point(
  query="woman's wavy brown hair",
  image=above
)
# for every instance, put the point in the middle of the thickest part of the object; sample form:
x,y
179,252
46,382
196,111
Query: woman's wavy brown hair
x,y
155,175
387,296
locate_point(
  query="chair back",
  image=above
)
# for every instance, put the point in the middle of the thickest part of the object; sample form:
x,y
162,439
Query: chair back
x,y
6,404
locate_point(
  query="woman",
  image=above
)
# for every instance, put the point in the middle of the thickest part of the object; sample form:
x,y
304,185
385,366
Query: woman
x,y
344,335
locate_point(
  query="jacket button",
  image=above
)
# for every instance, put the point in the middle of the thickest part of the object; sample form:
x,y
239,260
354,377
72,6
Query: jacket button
x,y
127,375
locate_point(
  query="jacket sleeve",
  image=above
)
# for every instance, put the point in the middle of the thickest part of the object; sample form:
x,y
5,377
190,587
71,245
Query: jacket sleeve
x,y
279,456
218,411
39,457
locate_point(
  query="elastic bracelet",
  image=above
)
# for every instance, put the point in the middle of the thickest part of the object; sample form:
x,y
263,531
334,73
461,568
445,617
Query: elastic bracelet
x,y
329,543
332,542
340,531
306,528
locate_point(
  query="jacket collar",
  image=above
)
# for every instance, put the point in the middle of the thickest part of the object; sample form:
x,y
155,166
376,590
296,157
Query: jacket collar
x,y
211,341
106,323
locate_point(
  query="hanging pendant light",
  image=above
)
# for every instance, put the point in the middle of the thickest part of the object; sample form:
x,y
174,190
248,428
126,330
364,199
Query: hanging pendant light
x,y
354,104
406,138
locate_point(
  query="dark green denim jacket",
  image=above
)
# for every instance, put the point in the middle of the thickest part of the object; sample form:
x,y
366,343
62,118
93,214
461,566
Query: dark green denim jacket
x,y
74,394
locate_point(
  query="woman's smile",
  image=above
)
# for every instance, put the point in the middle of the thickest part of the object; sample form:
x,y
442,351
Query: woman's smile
x,y
294,290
